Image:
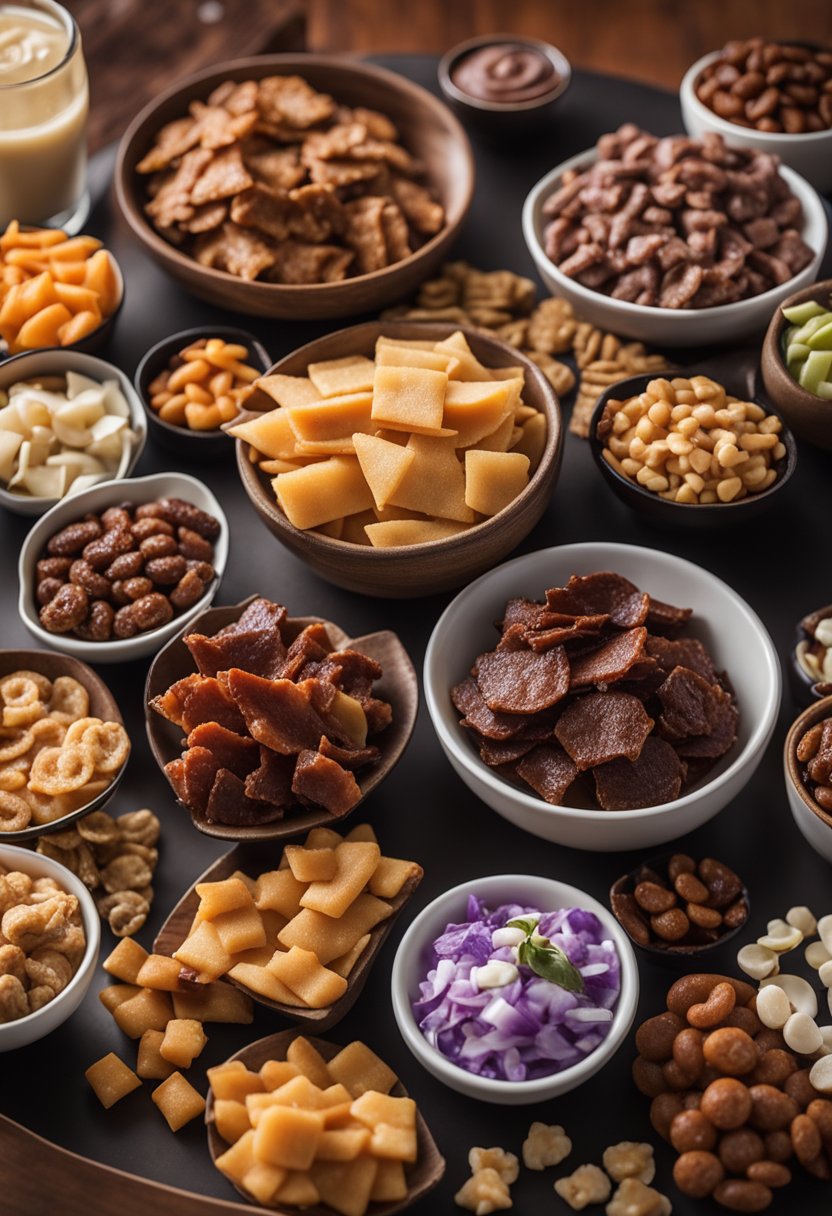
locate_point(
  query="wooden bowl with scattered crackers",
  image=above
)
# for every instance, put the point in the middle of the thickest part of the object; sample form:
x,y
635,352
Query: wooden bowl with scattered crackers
x,y
443,552
257,201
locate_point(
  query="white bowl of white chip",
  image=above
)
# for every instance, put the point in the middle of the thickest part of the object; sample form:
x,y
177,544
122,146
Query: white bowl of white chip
x,y
99,393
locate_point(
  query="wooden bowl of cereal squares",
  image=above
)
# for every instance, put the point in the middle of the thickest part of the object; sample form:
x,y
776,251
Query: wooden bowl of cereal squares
x,y
334,188
437,474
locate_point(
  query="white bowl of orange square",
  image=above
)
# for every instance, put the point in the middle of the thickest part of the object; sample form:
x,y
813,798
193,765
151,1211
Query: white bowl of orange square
x,y
401,458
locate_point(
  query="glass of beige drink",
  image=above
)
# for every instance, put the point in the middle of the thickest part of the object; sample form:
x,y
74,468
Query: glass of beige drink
x,y
43,112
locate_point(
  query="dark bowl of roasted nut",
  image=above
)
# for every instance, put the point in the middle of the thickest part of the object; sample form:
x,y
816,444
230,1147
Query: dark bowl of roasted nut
x,y
807,766
193,382
772,96
112,573
683,451
675,909
296,186
810,669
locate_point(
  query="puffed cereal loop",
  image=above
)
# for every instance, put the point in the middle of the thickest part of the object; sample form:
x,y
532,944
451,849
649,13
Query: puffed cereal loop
x,y
633,1198
139,827
483,1193
506,1164
545,1144
588,1184
110,746
69,700
124,911
58,770
99,828
630,1159
15,814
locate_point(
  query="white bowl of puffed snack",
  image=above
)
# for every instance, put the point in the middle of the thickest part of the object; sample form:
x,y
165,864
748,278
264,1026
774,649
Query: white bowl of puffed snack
x,y
600,235
67,422
52,932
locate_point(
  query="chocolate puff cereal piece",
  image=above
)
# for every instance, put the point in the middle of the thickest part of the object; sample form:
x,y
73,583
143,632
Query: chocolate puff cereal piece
x,y
602,726
651,780
549,771
523,682
605,592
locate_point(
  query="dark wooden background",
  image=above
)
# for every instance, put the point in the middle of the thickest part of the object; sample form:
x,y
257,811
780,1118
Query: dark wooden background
x,y
135,48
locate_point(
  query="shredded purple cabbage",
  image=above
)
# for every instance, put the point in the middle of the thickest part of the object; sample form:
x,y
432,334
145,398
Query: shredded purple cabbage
x,y
529,1027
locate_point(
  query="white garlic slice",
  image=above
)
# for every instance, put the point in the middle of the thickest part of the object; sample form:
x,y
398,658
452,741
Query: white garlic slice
x,y
77,384
757,961
494,974
43,481
10,442
507,937
802,918
799,991
780,937
107,424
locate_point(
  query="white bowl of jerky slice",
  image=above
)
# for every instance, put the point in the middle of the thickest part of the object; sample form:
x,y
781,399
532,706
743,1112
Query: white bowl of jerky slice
x,y
576,727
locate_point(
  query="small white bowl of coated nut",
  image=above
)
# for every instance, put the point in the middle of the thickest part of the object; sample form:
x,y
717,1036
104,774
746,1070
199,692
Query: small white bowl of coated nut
x,y
768,96
114,572
52,932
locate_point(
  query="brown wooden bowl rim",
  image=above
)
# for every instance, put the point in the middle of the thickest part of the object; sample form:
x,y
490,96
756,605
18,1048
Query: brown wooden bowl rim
x,y
820,709
434,1162
125,187
253,479
636,384
286,828
655,862
29,660
773,350
241,858
255,347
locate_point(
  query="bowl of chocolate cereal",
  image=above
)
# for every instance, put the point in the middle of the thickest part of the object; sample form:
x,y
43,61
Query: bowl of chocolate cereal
x,y
674,241
296,186
575,719
772,96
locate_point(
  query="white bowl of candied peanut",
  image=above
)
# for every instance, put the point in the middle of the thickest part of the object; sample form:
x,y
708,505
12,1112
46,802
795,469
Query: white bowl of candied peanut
x,y
51,930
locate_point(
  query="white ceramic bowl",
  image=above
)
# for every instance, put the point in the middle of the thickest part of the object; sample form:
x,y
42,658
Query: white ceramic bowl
x,y
54,362
411,963
810,155
814,824
37,1025
136,490
671,326
733,633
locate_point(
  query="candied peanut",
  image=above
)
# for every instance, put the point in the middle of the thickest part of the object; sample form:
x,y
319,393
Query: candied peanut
x,y
545,1145
66,610
697,1173
727,1103
771,1109
587,1184
730,1050
655,1037
188,590
740,1149
720,1002
690,1130
742,1196
72,539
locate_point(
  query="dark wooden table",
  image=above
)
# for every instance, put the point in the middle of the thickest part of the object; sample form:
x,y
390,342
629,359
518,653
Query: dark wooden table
x,y
777,564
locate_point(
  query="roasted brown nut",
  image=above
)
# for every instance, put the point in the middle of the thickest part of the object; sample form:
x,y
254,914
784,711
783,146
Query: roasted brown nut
x,y
66,610
689,888
670,926
151,526
47,589
691,1130
157,546
95,584
149,510
723,884
98,624
770,1173
102,552
116,517
124,623
204,569
194,546
655,1037
715,1009
727,1103
730,1050
695,988
127,565
742,1196
778,1146
663,1110
151,611
166,571
680,863
775,1067
648,1077
703,917
806,1140
185,515
53,567
653,898
740,1149
73,538
697,1173
747,1020
771,1109
134,588
187,591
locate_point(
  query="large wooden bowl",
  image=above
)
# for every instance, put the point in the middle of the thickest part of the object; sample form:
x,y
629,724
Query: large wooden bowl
x,y
398,685
810,416
102,705
427,127
422,1176
405,571
253,860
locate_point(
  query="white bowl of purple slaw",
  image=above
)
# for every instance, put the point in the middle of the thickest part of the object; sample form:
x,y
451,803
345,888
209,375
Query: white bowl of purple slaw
x,y
416,956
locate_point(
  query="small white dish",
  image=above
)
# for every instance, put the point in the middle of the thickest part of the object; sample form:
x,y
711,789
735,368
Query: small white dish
x,y
671,326
412,962
41,1023
731,630
810,155
57,362
814,823
109,493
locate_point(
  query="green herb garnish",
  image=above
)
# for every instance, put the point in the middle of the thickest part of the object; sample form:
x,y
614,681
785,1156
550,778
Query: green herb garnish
x,y
544,959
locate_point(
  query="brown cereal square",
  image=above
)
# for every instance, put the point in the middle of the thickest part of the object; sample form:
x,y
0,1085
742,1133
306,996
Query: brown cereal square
x,y
223,177
236,250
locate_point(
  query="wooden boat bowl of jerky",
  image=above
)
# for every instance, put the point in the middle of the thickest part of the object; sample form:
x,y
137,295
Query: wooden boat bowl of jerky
x,y
252,897
675,909
683,449
429,527
807,763
264,252
810,665
363,1073
65,691
247,714
808,412
199,436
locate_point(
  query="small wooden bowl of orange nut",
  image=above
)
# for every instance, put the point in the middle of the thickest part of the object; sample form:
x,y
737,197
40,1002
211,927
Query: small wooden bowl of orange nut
x,y
56,290
193,382
401,458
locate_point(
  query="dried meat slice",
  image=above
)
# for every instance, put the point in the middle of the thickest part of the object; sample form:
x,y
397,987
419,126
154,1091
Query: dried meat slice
x,y
325,783
358,671
199,769
260,651
235,752
277,713
654,779
523,612
379,714
522,682
197,699
724,719
312,645
549,771
271,781
349,757
684,652
228,803
604,592
476,715
610,661
497,754
602,726
688,704
544,638
665,619
175,772
260,614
